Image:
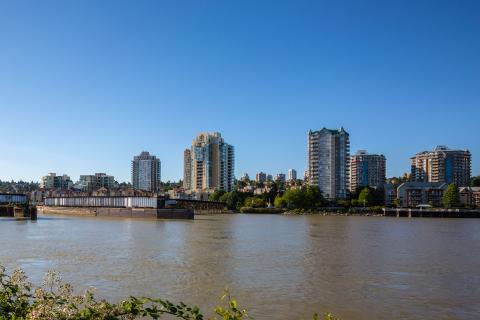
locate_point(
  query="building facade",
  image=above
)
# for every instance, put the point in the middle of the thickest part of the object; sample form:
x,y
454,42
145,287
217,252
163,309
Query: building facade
x,y
52,181
280,177
328,161
146,172
261,177
367,170
412,194
94,182
245,177
211,164
187,169
442,165
470,196
292,175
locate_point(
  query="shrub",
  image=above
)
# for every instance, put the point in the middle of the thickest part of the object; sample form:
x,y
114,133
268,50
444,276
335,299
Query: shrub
x,y
20,300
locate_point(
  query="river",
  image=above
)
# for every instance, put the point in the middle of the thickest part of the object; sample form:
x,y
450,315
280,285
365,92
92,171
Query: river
x,y
278,267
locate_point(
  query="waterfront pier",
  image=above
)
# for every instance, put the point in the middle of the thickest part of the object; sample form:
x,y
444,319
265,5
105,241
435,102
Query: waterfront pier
x,y
431,213
16,206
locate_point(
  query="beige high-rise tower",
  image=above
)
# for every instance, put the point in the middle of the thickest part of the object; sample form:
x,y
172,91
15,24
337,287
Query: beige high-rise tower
x,y
367,170
209,165
442,165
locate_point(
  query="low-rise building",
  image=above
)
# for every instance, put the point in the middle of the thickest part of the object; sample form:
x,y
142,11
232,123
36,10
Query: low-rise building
x,y
412,194
52,181
390,190
470,196
89,183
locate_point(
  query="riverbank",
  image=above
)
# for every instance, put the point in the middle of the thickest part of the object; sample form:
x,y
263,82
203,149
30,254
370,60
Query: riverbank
x,y
140,213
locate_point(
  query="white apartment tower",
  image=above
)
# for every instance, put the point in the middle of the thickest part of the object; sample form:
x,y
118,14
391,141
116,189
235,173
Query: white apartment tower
x,y
292,175
146,170
328,161
211,164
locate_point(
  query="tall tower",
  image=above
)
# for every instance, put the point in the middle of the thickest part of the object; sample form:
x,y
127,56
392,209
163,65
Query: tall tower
x,y
442,165
146,170
212,163
187,169
328,161
367,170
292,175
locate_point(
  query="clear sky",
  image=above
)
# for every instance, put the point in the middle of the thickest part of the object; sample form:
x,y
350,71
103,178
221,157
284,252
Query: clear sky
x,y
86,85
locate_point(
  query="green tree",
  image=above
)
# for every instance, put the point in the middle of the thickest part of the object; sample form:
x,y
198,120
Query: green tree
x,y
279,202
366,197
294,198
476,181
255,202
231,199
451,197
314,197
216,195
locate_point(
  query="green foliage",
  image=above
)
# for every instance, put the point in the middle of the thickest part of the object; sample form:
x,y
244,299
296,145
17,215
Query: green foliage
x,y
279,202
343,203
476,181
397,203
56,300
306,198
231,311
232,199
261,210
255,202
216,195
451,197
366,197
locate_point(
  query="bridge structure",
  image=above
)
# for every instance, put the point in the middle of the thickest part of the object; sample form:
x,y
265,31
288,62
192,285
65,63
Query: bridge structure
x,y
15,205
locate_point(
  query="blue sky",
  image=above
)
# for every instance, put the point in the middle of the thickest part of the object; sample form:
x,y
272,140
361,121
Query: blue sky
x,y
86,85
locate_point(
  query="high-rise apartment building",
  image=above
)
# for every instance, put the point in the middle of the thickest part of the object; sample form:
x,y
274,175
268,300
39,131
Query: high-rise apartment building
x,y
261,177
442,165
245,177
212,163
146,171
367,170
280,177
94,182
52,181
292,175
187,169
328,161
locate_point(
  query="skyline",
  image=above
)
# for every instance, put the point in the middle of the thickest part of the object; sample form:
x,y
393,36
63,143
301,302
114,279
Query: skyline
x,y
86,90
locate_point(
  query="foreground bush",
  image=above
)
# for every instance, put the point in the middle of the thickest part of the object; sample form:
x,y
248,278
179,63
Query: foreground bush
x,y
19,300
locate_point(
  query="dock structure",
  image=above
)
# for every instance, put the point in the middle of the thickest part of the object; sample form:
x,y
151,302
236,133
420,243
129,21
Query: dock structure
x,y
431,213
16,206
130,207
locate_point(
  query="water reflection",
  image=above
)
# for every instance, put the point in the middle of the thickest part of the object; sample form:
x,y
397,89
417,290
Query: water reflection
x,y
358,268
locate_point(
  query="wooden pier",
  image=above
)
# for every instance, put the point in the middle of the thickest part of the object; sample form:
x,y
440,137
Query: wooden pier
x,y
431,213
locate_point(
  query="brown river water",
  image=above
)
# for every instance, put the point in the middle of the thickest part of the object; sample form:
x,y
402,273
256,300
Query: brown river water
x,y
278,267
